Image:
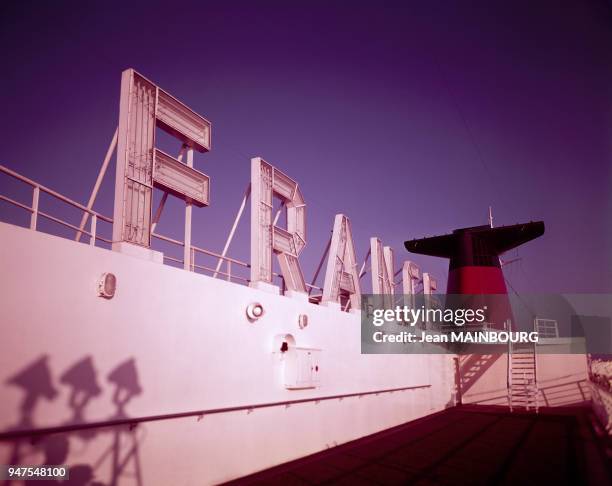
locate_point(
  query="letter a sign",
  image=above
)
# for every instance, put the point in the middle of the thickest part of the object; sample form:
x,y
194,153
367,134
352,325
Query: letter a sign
x,y
341,277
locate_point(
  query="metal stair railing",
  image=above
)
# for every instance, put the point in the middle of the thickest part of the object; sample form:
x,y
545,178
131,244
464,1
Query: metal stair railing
x,y
521,378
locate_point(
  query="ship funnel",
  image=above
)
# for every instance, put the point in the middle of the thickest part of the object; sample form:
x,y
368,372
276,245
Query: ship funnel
x,y
474,266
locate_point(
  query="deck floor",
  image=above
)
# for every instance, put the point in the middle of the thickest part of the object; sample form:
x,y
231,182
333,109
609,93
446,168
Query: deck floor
x,y
462,445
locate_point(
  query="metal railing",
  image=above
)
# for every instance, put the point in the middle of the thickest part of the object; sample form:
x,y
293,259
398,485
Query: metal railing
x,y
197,250
35,211
546,328
132,422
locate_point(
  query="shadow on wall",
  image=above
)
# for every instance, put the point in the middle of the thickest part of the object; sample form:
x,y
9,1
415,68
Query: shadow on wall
x,y
574,392
468,369
569,393
122,452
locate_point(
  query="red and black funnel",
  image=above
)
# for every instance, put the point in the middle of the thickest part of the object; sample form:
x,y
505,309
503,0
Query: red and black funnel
x,y
474,267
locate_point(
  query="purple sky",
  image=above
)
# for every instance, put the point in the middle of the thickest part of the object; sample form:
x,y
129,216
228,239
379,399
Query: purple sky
x,y
410,120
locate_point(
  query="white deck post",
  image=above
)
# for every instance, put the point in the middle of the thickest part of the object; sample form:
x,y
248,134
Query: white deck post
x,y
92,229
34,216
188,211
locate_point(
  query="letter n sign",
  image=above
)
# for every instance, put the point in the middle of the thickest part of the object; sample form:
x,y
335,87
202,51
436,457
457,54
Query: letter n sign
x,y
382,268
268,182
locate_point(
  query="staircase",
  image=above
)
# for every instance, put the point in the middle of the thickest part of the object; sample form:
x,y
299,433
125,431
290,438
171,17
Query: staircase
x,y
522,377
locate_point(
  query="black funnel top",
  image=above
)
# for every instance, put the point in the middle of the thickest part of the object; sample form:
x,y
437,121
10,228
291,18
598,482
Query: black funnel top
x,y
478,246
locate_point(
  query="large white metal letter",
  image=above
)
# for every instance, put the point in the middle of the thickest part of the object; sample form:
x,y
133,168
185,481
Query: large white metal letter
x,y
266,238
430,284
141,166
342,276
411,275
382,267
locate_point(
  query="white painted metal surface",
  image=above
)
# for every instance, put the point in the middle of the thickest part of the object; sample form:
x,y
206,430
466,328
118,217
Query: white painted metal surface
x,y
430,284
411,275
382,268
268,182
301,367
180,180
342,276
193,348
140,166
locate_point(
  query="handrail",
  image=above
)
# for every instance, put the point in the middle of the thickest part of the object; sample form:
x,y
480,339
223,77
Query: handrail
x,y
228,275
35,212
535,369
51,192
132,422
91,212
200,250
16,203
213,254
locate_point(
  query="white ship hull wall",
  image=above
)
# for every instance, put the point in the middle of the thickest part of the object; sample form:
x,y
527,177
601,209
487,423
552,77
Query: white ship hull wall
x,y
193,349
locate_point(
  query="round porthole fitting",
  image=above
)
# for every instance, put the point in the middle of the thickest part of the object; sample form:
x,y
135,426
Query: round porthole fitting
x,y
107,285
254,311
